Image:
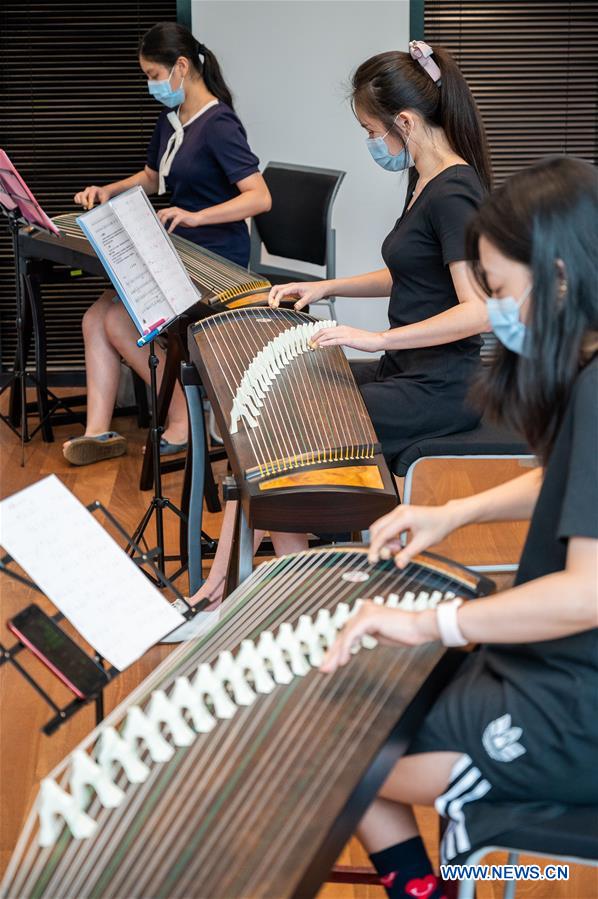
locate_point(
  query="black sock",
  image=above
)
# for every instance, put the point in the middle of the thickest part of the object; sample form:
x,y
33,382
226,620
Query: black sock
x,y
405,871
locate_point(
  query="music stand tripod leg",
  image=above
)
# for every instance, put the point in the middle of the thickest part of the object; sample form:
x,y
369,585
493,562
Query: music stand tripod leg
x,y
158,502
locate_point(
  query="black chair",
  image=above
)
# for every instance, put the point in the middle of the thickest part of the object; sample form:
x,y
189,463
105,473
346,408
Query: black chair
x,y
299,225
486,441
571,837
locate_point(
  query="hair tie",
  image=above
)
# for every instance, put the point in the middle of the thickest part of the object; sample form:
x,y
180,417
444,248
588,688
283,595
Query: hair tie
x,y
201,48
421,53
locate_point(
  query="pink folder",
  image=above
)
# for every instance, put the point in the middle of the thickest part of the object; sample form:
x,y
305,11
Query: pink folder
x,y
15,195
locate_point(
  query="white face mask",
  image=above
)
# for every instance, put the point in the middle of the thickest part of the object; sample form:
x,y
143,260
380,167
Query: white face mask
x,y
163,92
380,153
506,323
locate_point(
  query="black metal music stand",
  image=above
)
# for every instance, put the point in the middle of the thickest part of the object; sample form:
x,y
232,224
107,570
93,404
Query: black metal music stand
x,y
17,218
142,557
158,502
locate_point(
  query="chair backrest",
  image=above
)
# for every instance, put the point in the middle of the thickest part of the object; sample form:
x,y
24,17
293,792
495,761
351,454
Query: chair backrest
x,y
299,224
489,347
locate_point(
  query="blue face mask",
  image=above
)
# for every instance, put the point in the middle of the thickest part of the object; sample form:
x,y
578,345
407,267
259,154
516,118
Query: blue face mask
x,y
162,91
379,153
506,324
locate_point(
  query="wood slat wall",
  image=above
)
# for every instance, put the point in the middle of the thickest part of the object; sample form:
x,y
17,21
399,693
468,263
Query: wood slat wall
x,y
74,110
531,65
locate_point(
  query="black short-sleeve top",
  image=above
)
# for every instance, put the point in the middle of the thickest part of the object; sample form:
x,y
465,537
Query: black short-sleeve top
x,y
212,159
563,670
418,252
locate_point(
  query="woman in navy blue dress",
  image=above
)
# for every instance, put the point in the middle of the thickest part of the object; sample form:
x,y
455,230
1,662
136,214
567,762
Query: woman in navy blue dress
x,y
200,154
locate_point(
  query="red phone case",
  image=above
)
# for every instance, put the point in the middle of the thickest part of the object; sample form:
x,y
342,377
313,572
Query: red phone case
x,y
37,652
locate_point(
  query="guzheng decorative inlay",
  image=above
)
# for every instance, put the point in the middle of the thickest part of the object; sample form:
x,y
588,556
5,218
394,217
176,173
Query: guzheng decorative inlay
x,y
293,422
236,767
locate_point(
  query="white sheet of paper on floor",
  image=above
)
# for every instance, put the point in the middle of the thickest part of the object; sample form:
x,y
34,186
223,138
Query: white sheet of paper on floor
x,y
86,574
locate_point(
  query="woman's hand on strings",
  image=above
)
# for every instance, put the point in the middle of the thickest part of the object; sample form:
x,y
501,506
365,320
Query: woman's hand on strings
x,y
172,217
425,525
92,196
307,291
393,627
343,335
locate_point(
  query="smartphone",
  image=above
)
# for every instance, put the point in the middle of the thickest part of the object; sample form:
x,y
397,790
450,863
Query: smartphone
x,y
58,652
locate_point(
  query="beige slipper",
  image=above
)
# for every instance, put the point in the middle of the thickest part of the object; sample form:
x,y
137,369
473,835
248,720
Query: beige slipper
x,y
86,450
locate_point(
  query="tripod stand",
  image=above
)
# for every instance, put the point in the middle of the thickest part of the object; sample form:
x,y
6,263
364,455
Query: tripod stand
x,y
158,502
21,208
19,375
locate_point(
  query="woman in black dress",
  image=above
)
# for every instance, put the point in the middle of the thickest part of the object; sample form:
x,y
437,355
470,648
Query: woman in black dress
x,y
418,111
519,723
427,117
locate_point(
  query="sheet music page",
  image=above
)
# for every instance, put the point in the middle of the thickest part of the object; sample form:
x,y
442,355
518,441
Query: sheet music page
x,y
135,281
137,215
78,565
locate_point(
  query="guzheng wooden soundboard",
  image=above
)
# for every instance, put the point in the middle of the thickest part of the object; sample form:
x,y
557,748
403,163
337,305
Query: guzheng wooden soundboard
x,y
222,284
295,427
237,769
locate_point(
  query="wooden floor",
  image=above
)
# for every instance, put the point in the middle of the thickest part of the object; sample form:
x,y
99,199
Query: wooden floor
x,y
26,755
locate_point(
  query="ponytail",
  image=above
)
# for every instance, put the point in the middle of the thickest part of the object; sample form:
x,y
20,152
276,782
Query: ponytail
x,y
167,41
212,75
388,83
460,118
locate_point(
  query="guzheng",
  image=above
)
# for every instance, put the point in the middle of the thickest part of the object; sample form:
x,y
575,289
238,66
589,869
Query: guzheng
x,y
237,769
223,285
296,429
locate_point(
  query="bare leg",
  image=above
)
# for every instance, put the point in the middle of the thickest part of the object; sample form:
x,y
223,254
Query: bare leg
x,y
102,364
123,335
415,780
213,585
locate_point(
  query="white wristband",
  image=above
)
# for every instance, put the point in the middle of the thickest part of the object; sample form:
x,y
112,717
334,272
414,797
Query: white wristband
x,y
448,626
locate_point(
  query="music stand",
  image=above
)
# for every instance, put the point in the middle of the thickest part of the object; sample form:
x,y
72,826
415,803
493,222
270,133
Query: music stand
x,y
158,502
144,224
20,207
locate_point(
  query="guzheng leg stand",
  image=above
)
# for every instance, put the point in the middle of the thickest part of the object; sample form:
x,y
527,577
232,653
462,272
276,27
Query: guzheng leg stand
x,y
28,323
198,476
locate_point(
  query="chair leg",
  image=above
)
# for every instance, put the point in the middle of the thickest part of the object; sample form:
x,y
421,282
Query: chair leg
x,y
511,885
466,889
350,874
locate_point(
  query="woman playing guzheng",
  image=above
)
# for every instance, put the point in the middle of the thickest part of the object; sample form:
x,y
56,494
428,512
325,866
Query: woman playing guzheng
x,y
416,114
420,116
199,153
519,722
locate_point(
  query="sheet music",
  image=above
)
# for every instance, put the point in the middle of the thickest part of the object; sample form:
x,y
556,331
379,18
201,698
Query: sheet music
x,y
134,280
78,565
136,214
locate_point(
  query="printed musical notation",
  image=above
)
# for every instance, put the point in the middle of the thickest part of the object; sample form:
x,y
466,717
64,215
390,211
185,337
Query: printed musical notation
x,y
140,259
84,572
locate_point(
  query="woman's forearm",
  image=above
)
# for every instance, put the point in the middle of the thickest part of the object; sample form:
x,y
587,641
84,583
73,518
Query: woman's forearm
x,y
453,324
512,501
246,205
372,284
147,179
548,608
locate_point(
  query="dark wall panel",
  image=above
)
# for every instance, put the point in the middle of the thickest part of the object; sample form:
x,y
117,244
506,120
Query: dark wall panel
x,y
531,65
74,110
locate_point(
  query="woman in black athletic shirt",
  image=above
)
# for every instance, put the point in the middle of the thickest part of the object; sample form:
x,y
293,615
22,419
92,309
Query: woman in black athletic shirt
x,y
514,736
418,111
